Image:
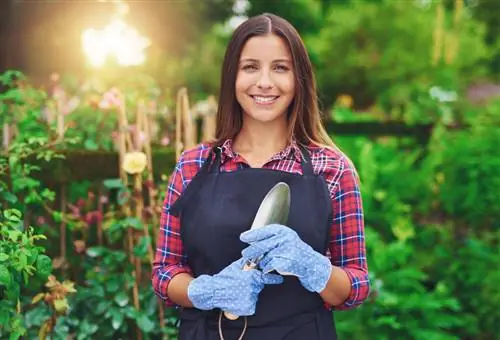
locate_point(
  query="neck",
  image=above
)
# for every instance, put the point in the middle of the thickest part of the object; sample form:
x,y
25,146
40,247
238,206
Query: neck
x,y
261,139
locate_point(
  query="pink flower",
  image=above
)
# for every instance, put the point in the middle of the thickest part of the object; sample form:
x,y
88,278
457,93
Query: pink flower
x,y
165,141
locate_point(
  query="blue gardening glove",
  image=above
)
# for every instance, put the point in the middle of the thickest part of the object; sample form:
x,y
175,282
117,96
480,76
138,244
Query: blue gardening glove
x,y
233,289
279,248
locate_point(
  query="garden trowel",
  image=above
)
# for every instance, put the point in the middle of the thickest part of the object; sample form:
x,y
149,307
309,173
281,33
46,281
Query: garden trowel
x,y
273,209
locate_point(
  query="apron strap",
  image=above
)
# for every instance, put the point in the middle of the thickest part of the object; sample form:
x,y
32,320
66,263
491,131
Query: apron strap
x,y
307,167
215,166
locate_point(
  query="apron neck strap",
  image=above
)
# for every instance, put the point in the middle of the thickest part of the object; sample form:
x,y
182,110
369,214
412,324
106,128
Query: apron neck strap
x,y
214,167
307,168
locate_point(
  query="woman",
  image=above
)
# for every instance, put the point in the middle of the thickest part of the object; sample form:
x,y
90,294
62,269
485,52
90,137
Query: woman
x,y
268,130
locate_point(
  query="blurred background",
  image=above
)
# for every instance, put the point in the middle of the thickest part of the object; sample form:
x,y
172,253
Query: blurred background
x,y
98,99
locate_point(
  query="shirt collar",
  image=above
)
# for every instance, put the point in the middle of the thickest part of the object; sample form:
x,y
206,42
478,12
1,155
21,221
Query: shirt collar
x,y
291,151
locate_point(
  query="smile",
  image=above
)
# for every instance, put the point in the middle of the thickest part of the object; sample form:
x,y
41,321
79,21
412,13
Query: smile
x,y
265,100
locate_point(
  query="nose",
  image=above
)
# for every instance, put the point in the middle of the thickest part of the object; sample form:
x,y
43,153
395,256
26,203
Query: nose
x,y
264,81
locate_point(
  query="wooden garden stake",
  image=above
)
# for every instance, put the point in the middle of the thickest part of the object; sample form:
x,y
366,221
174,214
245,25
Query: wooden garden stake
x,y
438,33
62,227
447,41
123,137
185,127
142,123
454,38
209,119
178,127
146,127
147,148
188,124
123,140
6,136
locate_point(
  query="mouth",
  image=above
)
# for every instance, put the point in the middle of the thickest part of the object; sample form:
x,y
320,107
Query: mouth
x,y
264,100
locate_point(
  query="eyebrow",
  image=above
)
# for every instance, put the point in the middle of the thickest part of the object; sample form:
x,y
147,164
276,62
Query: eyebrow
x,y
286,60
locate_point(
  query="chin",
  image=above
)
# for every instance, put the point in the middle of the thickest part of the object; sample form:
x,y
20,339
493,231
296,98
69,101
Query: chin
x,y
265,116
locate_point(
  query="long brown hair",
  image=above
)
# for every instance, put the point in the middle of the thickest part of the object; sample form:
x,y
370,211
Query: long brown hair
x,y
304,116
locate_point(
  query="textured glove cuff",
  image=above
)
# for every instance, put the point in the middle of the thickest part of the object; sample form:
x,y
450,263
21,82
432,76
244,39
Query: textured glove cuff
x,y
201,292
318,274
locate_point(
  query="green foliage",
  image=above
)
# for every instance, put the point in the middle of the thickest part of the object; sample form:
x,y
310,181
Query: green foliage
x,y
432,233
373,49
306,15
205,61
487,12
471,169
23,262
20,258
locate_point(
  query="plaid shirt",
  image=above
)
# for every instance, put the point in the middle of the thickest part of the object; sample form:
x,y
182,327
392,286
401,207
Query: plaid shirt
x,y
347,243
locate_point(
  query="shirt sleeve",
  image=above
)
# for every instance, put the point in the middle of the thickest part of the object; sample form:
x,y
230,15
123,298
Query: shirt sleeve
x,y
347,245
170,258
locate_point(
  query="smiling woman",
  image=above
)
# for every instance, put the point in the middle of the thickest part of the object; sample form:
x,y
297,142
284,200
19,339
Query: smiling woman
x,y
265,88
265,81
268,131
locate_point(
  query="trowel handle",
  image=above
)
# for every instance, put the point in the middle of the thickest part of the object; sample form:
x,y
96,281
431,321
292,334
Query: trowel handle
x,y
247,266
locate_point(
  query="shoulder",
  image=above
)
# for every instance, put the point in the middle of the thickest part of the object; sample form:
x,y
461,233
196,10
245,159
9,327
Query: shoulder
x,y
191,160
195,155
332,163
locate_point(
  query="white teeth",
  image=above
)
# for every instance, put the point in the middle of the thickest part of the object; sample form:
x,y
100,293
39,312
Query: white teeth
x,y
264,100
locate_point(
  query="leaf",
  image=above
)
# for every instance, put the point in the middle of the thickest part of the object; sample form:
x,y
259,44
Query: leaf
x,y
5,276
95,251
141,248
14,291
17,333
69,286
90,145
14,235
121,299
133,222
8,77
123,196
25,183
61,305
12,215
102,307
113,183
45,330
3,257
9,197
144,323
44,266
5,314
57,216
116,319
112,285
38,297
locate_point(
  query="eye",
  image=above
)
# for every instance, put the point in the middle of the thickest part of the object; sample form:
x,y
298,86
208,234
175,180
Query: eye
x,y
249,67
281,68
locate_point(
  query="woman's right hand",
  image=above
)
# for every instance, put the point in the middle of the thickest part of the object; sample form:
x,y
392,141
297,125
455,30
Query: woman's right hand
x,y
233,289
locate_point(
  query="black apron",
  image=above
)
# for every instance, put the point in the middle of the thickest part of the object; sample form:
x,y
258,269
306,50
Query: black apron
x,y
215,208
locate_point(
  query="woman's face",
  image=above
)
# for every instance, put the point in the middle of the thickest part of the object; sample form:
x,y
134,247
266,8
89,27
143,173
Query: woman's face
x,y
265,83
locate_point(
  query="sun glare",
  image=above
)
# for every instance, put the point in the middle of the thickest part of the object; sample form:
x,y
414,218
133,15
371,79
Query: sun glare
x,y
118,41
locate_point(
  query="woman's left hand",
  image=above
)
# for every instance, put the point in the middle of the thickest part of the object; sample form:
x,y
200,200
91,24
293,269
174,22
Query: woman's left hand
x,y
281,249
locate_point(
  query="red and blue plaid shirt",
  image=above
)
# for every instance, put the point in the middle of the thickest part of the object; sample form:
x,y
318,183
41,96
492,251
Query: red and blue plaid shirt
x,y
347,244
